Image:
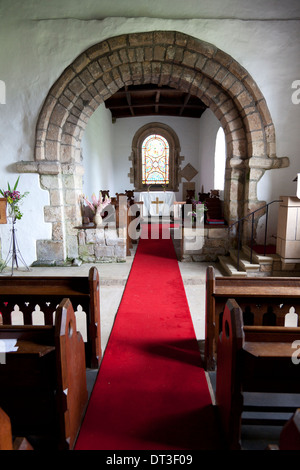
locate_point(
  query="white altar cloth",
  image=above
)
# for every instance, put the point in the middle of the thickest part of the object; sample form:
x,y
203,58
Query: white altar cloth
x,y
157,202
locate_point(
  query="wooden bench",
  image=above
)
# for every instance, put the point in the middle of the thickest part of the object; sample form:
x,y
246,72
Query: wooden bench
x,y
47,292
290,434
6,438
253,359
264,301
43,384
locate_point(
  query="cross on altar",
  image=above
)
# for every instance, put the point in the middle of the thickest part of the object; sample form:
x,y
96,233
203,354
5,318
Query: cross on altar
x,y
157,201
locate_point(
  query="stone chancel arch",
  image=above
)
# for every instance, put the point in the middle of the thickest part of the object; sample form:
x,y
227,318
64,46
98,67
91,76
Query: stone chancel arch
x,y
162,57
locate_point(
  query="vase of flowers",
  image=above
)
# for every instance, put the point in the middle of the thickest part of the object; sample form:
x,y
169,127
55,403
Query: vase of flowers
x,y
14,198
199,209
97,219
97,206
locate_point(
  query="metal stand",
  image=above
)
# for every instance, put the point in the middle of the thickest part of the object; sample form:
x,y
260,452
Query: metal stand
x,y
14,252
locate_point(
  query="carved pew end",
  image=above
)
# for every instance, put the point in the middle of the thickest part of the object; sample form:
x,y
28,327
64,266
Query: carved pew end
x,y
6,438
290,434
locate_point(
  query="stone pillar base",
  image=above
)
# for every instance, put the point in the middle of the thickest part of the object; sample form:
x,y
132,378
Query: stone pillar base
x,y
50,253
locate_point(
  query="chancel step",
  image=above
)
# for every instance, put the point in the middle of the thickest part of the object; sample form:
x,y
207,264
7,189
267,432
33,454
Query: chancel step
x,y
230,266
262,265
244,261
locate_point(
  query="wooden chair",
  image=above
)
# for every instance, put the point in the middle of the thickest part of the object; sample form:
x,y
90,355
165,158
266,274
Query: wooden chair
x,y
214,213
130,196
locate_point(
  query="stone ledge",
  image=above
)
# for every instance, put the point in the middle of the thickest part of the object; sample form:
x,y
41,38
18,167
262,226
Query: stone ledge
x,y
48,167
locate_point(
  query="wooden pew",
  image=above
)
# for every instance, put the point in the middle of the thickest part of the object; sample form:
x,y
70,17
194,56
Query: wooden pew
x,y
252,359
6,438
264,301
290,434
47,292
43,384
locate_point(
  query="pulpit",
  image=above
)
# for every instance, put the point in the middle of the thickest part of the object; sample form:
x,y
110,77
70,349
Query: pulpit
x,y
288,230
157,203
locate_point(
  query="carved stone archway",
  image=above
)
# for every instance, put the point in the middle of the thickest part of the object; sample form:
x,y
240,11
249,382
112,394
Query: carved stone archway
x,y
168,58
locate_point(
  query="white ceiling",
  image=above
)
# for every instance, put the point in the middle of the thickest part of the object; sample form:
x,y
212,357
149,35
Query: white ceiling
x,y
173,9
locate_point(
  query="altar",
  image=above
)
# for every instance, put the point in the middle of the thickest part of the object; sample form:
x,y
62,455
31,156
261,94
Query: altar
x,y
157,203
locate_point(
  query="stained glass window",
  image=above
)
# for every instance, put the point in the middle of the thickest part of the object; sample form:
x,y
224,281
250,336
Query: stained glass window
x,y
155,160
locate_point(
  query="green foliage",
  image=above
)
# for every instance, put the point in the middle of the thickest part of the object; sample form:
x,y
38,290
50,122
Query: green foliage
x,y
14,199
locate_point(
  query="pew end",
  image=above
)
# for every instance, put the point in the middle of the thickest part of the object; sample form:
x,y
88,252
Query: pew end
x,y
228,394
290,434
6,438
72,394
43,384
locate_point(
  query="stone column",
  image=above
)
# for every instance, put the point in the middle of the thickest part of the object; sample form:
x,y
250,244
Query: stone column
x,y
64,183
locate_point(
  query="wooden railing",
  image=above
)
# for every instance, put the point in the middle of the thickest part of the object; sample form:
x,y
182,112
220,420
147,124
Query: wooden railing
x,y
239,230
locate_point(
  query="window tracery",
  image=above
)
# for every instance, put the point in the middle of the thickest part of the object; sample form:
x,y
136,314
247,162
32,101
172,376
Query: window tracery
x,y
155,158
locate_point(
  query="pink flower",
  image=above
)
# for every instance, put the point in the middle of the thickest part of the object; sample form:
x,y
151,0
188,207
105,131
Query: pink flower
x,y
97,205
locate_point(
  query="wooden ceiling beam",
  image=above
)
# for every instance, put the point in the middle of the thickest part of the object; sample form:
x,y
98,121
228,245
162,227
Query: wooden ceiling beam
x,y
184,104
128,97
155,100
160,105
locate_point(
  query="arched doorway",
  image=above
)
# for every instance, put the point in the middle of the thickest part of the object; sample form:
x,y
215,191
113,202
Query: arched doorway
x,y
169,58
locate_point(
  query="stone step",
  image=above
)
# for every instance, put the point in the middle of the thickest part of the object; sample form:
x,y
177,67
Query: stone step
x,y
230,266
244,262
259,259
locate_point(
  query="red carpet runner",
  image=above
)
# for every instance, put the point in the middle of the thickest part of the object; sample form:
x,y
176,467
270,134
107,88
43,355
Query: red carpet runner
x,y
151,392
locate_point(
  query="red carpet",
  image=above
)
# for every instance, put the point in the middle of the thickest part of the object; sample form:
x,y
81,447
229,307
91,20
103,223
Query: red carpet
x,y
261,249
151,392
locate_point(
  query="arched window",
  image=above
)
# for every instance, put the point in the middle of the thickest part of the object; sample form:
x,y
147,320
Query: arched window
x,y
220,160
155,158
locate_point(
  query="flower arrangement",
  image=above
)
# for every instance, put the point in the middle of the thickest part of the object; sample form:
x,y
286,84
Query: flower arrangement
x,y
198,210
14,199
199,204
97,205
198,207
